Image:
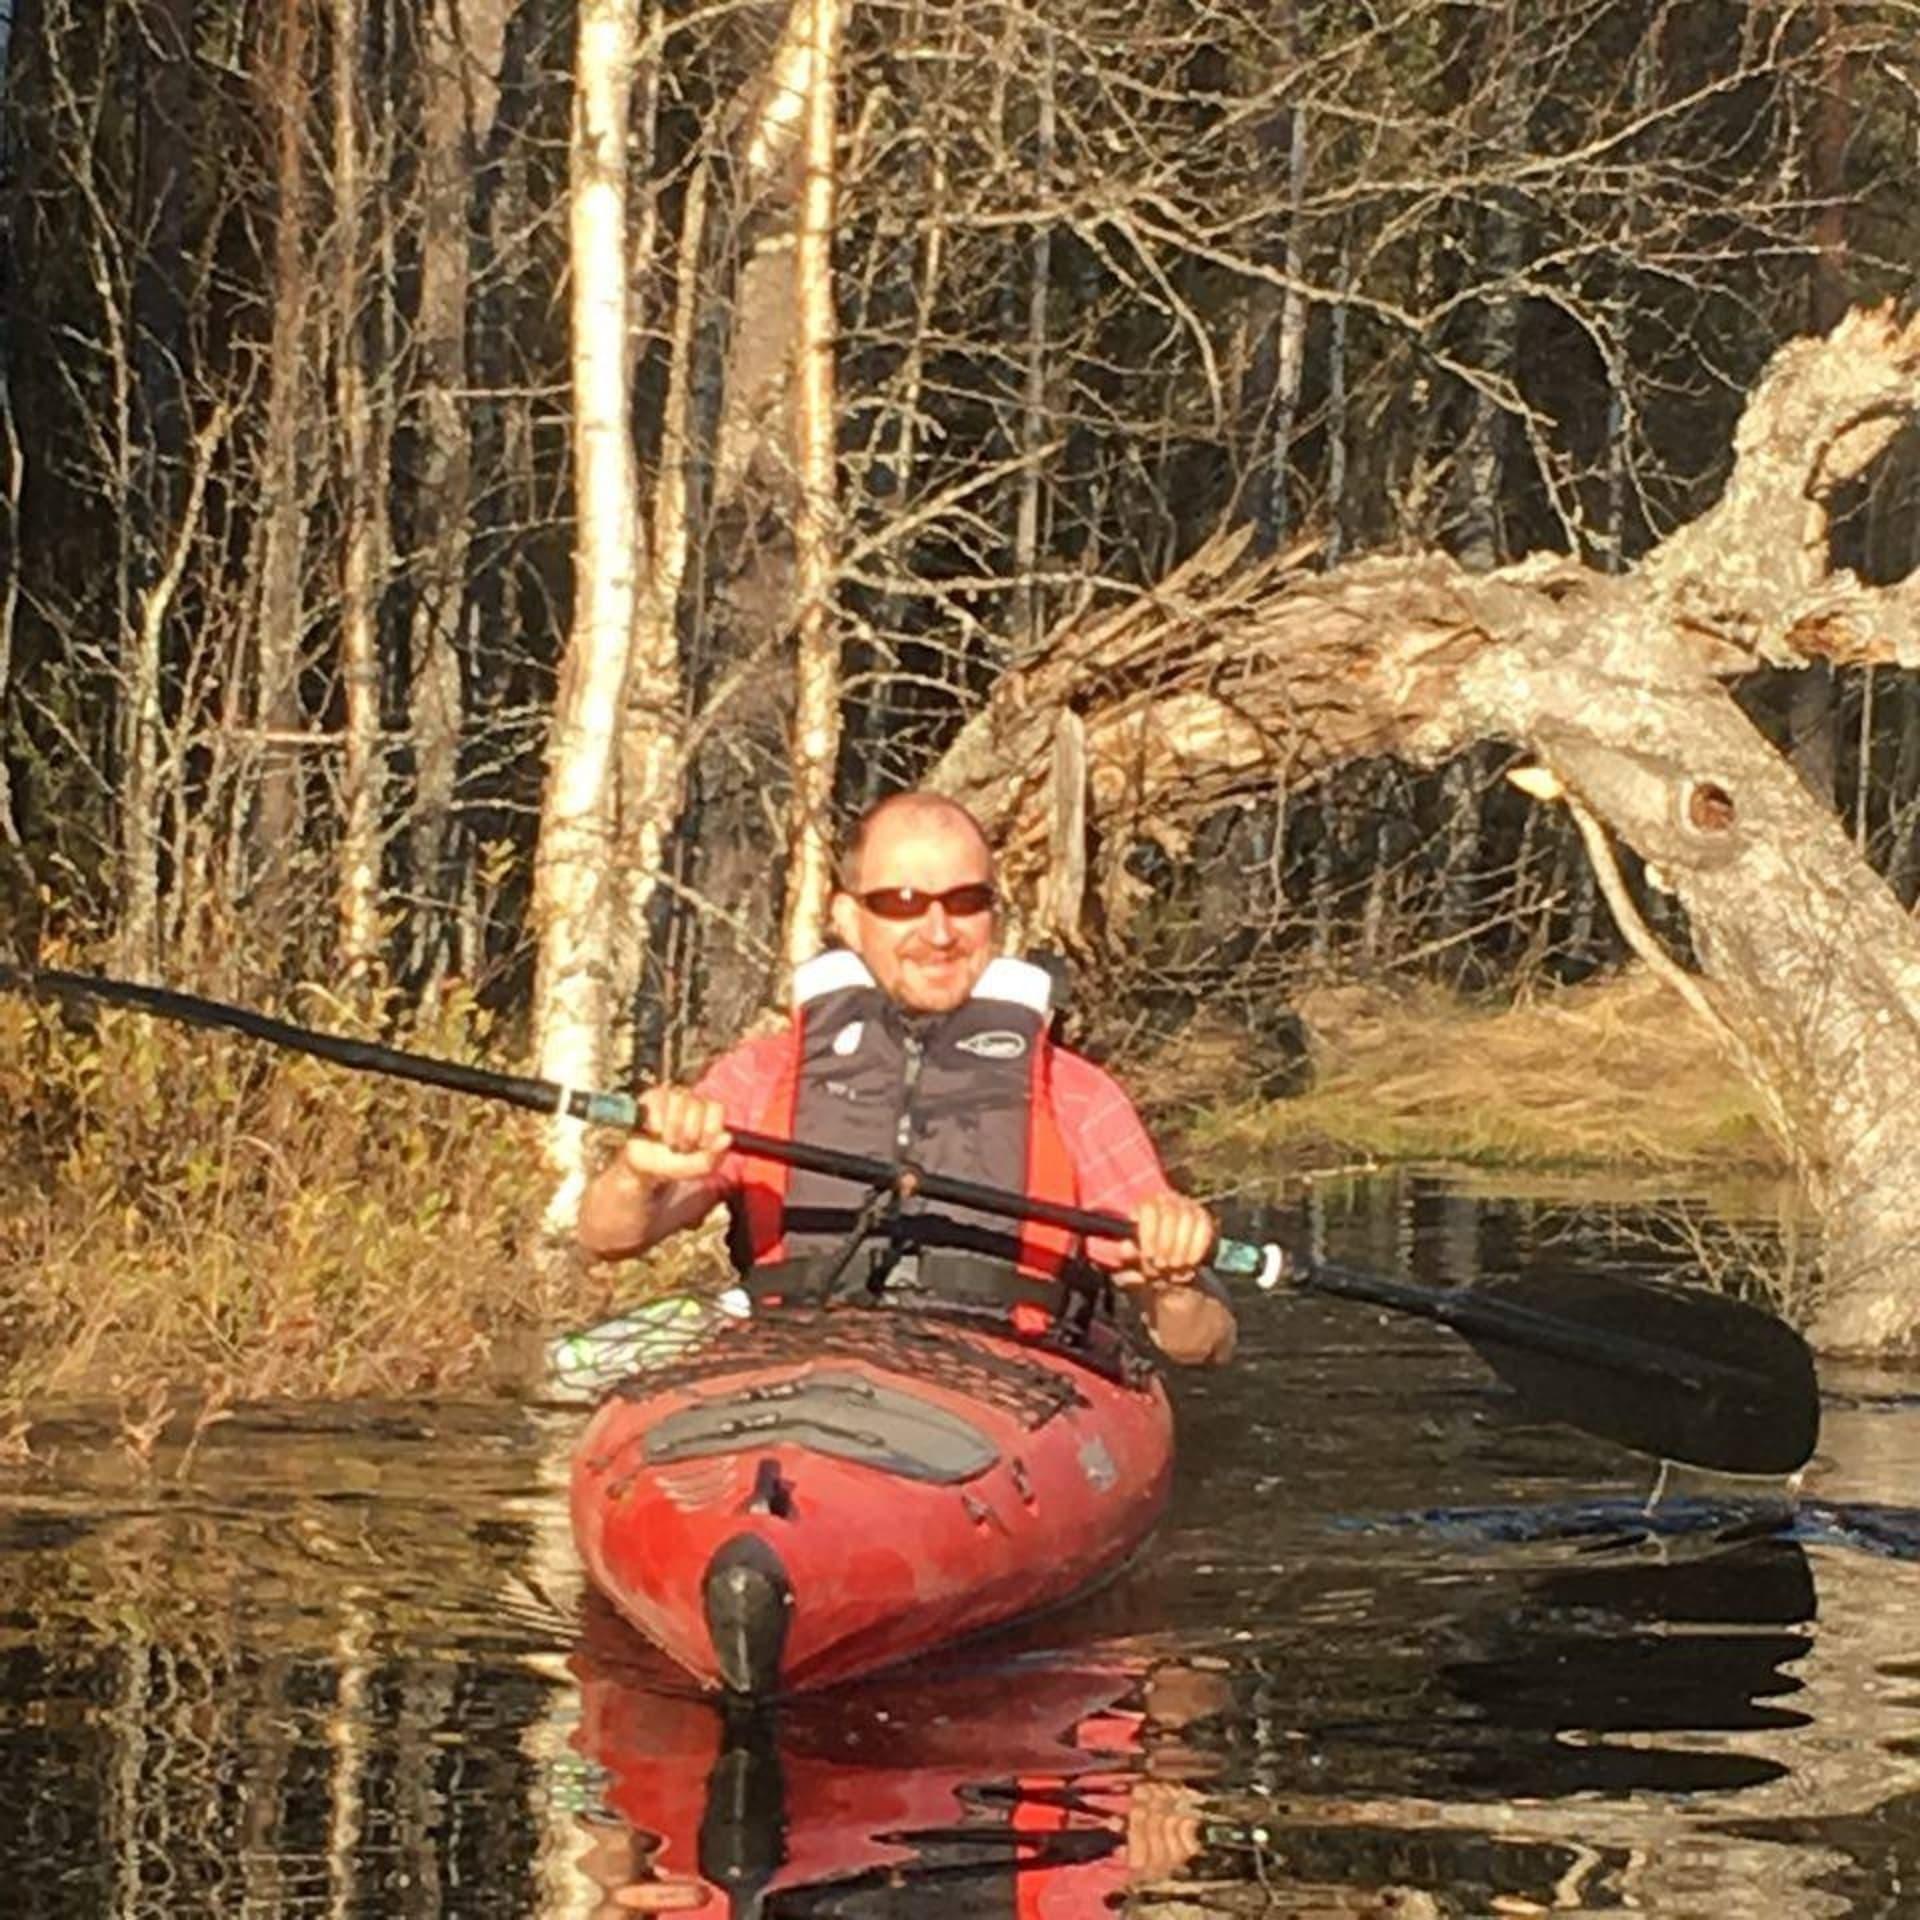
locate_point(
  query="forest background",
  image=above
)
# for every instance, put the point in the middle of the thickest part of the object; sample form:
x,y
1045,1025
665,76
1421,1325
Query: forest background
x,y
485,490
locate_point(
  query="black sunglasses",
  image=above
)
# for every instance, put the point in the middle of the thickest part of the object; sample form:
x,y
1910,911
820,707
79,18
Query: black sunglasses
x,y
909,903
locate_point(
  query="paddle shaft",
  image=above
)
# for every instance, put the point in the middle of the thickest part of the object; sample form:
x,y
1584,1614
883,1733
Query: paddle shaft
x,y
1474,1315
621,1110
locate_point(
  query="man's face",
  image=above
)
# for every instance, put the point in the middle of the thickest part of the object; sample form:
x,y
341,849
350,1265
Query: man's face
x,y
931,963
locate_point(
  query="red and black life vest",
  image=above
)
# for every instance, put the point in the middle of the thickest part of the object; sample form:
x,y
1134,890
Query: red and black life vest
x,y
965,1093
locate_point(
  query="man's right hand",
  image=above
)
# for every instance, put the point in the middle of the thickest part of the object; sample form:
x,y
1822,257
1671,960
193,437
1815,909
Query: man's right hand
x,y
683,1136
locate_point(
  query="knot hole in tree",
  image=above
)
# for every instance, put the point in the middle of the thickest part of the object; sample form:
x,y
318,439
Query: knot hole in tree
x,y
1708,807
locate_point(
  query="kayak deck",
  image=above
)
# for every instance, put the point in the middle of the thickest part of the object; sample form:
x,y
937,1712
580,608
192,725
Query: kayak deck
x,y
814,1494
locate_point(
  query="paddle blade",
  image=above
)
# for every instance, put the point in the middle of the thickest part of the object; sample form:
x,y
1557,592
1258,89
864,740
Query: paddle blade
x,y
1678,1372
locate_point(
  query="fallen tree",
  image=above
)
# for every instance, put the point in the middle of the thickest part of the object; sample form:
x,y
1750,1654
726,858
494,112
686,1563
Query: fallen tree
x,y
1138,721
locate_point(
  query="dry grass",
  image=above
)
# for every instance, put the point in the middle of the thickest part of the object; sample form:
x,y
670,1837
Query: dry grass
x,y
189,1219
1615,1075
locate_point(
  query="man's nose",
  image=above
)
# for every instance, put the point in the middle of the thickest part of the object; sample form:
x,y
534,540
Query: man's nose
x,y
938,927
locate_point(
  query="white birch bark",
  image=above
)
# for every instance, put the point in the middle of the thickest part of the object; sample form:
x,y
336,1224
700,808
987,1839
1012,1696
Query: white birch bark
x,y
574,889
760,360
652,744
362,542
816,705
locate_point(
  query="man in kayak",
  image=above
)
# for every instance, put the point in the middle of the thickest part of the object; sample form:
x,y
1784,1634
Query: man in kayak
x,y
915,1040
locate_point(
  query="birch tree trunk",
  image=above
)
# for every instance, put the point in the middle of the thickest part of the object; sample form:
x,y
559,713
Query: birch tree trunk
x,y
362,542
574,887
816,705
652,749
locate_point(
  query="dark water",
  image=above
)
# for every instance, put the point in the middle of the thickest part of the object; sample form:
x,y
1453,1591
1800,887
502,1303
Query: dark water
x,y
1398,1652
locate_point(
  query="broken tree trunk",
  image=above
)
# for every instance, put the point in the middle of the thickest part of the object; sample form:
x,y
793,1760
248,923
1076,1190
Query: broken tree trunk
x,y
1231,672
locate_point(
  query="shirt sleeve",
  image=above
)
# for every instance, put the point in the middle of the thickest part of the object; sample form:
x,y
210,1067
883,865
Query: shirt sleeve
x,y
743,1080
1115,1164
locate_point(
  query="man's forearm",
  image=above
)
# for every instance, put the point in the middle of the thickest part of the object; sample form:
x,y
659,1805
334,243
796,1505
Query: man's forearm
x,y
1192,1324
625,1212
617,1213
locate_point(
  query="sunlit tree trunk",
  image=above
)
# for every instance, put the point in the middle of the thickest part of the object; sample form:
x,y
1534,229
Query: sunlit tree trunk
x,y
140,817
816,707
727,374
574,888
1813,707
138,936
362,544
923,270
651,741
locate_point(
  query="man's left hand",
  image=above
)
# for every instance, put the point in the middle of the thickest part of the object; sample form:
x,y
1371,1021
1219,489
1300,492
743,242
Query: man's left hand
x,y
1172,1237
1189,1320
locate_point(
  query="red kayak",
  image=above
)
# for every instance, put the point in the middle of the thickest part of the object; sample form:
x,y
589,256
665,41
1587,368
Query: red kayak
x,y
810,1495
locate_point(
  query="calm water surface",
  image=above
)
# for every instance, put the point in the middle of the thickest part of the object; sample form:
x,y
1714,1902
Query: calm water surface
x,y
1398,1652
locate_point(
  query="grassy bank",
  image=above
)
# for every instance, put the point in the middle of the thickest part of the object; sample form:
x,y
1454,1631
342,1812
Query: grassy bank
x,y
186,1218
1613,1076
190,1220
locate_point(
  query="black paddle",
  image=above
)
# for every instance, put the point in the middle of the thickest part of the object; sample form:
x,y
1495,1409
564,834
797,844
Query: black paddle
x,y
1680,1373
1673,1371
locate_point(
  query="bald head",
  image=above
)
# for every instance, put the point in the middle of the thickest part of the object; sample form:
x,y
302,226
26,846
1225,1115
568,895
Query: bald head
x,y
913,812
915,900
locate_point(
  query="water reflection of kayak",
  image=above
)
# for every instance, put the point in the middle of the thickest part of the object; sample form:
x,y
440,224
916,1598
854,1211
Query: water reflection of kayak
x,y
1013,1789
809,1496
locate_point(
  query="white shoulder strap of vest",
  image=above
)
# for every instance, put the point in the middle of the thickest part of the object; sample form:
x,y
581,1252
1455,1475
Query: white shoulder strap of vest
x,y
830,972
1018,982
1015,982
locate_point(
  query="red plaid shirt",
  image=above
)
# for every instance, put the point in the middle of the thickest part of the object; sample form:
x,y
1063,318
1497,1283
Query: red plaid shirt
x,y
1114,1163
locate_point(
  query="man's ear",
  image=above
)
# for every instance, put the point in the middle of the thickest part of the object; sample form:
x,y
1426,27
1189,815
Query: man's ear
x,y
843,912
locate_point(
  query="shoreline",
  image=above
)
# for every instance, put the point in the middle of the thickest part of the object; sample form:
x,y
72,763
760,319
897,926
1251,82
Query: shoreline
x,y
226,1229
